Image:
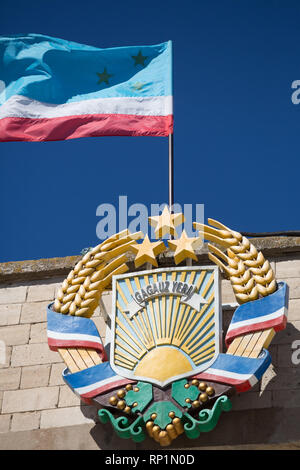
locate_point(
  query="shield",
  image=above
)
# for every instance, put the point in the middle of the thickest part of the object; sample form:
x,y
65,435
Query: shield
x,y
165,323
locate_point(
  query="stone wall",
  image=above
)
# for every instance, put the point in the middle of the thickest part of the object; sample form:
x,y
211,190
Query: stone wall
x,y
38,411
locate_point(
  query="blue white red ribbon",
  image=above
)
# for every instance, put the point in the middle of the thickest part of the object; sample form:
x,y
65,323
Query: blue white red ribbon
x,y
261,314
69,331
240,372
95,380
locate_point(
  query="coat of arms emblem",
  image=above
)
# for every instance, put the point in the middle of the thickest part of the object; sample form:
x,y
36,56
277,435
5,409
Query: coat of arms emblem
x,y
166,371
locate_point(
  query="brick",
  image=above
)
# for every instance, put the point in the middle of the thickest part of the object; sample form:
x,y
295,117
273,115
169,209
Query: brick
x,y
56,374
284,378
14,335
252,400
289,334
10,314
38,333
90,412
6,352
63,417
294,287
34,312
4,423
227,292
10,378
35,376
288,268
13,295
33,354
285,352
25,421
294,310
33,399
286,398
273,350
1,399
39,292
67,397
105,305
101,326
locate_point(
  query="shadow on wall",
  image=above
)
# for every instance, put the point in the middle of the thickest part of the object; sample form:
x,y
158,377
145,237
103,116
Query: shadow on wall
x,y
270,421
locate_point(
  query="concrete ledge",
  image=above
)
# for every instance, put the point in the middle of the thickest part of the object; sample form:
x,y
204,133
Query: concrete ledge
x,y
45,268
235,427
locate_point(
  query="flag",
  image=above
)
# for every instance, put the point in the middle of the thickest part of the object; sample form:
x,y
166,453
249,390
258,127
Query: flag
x,y
53,89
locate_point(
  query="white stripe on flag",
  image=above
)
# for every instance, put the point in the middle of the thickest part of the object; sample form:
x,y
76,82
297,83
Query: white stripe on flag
x,y
21,106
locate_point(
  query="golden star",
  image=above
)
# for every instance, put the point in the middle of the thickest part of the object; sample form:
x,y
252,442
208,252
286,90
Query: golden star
x,y
146,252
166,222
184,247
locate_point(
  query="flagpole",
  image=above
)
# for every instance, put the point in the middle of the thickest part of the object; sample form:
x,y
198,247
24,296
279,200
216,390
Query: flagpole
x,y
171,171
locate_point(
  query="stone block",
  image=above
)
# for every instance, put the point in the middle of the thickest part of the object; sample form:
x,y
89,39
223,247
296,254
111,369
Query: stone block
x,y
281,378
39,292
105,305
5,356
14,335
101,326
227,294
10,378
56,374
13,295
33,354
286,398
67,397
285,352
294,310
4,423
294,286
25,421
63,417
288,268
289,334
38,333
35,376
33,399
10,314
34,312
252,400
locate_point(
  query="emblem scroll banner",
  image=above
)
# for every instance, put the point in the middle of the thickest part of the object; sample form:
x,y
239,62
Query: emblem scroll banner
x,y
188,293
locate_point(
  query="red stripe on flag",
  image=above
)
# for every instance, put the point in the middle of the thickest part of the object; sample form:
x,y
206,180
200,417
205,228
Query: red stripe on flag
x,y
87,125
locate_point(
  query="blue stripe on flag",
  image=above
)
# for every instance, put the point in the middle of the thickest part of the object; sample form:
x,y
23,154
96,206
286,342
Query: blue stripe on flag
x,y
57,71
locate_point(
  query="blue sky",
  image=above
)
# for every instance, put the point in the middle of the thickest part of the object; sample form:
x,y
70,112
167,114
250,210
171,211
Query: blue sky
x,y
236,132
